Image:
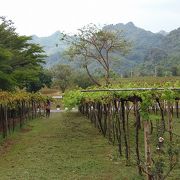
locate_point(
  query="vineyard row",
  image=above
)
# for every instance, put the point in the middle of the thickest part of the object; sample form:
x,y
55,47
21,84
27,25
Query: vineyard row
x,y
16,108
125,117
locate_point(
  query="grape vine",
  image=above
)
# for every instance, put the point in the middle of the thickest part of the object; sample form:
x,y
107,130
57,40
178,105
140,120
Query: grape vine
x,y
17,107
150,111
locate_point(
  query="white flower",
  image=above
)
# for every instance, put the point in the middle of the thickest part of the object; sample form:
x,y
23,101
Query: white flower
x,y
161,139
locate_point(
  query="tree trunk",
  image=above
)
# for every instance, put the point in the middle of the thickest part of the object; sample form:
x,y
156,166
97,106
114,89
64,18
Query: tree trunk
x,y
91,77
107,77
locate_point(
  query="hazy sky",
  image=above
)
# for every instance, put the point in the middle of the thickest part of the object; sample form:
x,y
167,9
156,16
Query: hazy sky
x,y
44,17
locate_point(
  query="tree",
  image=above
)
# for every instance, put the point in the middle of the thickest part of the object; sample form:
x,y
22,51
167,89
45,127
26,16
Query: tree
x,y
174,70
93,44
34,81
81,79
20,60
62,75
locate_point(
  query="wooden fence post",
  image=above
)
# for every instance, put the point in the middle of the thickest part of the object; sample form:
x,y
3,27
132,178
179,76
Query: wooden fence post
x,y
147,146
169,121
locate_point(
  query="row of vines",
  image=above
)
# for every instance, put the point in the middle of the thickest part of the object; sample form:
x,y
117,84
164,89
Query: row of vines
x,y
142,123
17,107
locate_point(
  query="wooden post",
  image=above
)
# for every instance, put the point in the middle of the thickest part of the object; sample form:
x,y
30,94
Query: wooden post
x,y
147,147
169,120
177,109
137,123
6,118
123,118
127,109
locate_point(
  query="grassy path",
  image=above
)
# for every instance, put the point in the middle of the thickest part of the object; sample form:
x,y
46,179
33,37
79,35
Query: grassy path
x,y
66,146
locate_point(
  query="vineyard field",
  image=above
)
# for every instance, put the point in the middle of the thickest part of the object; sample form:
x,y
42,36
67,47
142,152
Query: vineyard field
x,y
126,113
148,80
66,146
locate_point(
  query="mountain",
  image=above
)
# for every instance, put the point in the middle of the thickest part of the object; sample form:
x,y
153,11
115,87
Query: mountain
x,y
141,40
53,47
172,42
49,43
165,60
162,32
147,47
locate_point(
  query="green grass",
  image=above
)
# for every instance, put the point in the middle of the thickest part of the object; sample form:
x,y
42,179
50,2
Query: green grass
x,y
66,146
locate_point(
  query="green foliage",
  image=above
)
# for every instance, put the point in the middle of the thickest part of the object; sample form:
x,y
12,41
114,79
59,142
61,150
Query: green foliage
x,y
81,79
75,97
147,101
19,59
12,98
62,75
72,98
6,81
44,79
158,167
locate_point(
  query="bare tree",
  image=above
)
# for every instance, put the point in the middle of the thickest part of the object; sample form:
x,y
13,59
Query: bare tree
x,y
94,44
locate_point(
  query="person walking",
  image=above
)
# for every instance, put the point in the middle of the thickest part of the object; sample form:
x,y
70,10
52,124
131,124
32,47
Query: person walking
x,y
48,108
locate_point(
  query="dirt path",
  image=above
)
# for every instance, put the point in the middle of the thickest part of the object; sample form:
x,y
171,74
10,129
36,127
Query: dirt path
x,y
66,146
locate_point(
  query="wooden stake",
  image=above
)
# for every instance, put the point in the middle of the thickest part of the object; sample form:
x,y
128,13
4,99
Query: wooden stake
x,y
169,120
147,149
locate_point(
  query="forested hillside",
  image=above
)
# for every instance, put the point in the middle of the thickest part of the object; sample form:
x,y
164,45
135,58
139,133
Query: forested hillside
x,y
151,53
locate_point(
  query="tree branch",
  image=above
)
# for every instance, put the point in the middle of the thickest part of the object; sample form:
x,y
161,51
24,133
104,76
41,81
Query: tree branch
x,y
91,77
